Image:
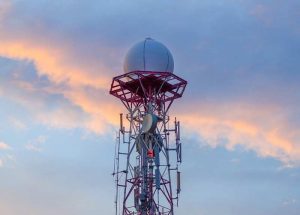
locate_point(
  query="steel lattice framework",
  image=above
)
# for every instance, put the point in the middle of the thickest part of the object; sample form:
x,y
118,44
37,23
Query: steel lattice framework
x,y
146,163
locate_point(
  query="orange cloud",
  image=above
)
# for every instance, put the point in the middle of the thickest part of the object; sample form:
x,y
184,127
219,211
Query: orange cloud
x,y
86,85
96,102
50,61
53,61
4,146
100,109
250,126
234,128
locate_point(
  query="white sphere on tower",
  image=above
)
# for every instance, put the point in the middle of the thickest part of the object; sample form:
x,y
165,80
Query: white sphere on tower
x,y
149,55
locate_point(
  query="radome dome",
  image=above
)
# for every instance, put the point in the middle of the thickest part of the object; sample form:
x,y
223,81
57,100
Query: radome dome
x,y
149,55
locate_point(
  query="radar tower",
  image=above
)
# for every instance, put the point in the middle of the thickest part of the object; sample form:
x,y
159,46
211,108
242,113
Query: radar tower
x,y
148,149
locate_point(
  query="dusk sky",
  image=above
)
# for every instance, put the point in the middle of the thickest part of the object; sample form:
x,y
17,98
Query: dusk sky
x,y
240,114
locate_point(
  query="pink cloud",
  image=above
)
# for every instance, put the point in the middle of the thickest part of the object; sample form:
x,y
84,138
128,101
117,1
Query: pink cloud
x,y
51,61
4,146
71,77
257,128
261,12
82,83
260,129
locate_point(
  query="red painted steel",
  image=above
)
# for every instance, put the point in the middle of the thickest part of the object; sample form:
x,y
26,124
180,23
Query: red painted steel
x,y
139,87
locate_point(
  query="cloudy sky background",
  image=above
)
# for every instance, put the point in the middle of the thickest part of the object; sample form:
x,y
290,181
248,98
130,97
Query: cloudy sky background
x,y
240,113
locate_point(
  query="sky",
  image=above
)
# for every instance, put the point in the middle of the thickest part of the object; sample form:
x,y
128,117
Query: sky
x,y
240,113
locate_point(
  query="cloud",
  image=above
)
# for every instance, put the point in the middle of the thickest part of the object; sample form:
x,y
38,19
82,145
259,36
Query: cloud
x,y
261,12
5,158
289,202
258,128
276,14
242,80
4,146
49,61
36,144
17,123
56,106
70,73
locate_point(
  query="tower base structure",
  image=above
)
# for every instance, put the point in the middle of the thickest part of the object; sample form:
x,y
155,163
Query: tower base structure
x,y
148,153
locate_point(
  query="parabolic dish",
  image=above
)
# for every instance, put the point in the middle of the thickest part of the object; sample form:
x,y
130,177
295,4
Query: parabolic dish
x,y
149,123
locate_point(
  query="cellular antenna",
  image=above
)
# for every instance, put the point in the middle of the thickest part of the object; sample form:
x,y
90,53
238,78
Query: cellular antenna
x,y
148,152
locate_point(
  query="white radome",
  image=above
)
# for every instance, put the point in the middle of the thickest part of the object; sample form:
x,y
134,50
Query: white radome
x,y
149,55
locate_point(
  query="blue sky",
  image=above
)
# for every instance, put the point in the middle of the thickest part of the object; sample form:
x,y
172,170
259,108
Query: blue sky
x,y
240,112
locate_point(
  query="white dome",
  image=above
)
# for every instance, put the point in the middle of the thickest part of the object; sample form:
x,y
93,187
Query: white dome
x,y
149,55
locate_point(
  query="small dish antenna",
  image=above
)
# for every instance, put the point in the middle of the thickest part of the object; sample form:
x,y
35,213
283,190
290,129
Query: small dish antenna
x,y
149,123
